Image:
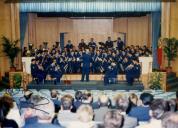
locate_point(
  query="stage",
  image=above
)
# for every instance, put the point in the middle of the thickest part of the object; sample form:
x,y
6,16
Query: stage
x,y
91,85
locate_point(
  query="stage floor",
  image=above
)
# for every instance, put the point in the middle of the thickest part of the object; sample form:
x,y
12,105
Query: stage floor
x,y
91,85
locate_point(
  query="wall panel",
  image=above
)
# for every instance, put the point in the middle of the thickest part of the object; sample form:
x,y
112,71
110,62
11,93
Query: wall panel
x,y
48,29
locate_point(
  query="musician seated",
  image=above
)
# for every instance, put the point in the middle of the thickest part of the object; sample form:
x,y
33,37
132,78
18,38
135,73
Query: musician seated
x,y
109,43
55,72
133,71
69,45
37,71
111,74
82,45
92,44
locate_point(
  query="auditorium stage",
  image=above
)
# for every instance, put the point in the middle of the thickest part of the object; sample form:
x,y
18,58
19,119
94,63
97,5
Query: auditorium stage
x,y
91,85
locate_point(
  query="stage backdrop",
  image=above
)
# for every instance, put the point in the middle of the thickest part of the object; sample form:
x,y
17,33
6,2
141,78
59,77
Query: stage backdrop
x,y
40,29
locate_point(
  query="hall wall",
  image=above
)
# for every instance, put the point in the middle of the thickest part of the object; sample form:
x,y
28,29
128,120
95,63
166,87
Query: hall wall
x,y
9,27
40,29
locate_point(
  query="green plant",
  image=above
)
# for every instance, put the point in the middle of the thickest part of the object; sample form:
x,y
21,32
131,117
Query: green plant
x,y
10,48
170,49
155,81
17,80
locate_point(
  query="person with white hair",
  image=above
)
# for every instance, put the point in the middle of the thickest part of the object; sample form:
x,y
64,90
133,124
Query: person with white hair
x,y
104,104
85,118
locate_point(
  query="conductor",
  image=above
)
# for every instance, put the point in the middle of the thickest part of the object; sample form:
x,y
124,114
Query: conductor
x,y
86,63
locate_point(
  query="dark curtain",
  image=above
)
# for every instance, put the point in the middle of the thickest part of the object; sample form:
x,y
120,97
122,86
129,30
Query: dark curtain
x,y
23,27
156,19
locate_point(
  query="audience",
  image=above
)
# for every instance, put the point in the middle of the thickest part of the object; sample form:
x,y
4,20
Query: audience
x,y
85,118
6,103
39,112
122,104
142,112
112,119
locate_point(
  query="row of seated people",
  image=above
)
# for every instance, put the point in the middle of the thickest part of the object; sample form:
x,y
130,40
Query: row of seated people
x,y
60,62
82,112
92,45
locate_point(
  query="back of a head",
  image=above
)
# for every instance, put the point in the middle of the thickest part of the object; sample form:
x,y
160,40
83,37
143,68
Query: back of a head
x,y
66,102
170,120
133,99
85,113
35,99
146,98
172,105
122,103
6,103
54,93
78,95
113,119
103,100
158,108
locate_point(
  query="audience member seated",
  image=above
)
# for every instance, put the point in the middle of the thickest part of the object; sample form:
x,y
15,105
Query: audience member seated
x,y
55,99
142,112
112,119
32,120
78,99
104,104
84,118
25,101
170,120
87,98
43,108
122,104
65,115
6,103
158,108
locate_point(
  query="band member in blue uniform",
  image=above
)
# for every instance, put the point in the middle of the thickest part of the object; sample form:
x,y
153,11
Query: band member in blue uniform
x,y
82,45
109,43
111,74
133,71
35,72
92,44
69,45
86,63
120,44
55,71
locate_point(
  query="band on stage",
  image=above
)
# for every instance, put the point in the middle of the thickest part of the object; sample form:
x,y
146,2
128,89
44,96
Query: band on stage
x,y
88,58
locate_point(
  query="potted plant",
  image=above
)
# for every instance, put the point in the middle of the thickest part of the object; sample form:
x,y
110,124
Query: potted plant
x,y
170,50
155,81
11,49
17,80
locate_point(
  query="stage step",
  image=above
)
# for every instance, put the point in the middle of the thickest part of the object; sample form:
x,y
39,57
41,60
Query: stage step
x,y
91,85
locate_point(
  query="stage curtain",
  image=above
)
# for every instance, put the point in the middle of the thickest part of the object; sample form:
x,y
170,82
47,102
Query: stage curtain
x,y
23,27
83,6
156,20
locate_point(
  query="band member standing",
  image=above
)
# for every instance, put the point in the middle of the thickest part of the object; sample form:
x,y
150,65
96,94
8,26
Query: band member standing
x,y
86,63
